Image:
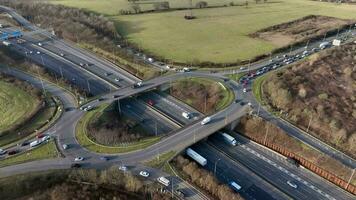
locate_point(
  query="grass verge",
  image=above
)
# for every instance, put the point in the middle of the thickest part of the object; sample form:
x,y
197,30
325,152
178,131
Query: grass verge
x,y
161,160
236,77
257,88
85,142
44,151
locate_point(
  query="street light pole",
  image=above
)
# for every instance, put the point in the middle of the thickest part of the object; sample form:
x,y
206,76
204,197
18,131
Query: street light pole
x,y
266,135
352,174
311,117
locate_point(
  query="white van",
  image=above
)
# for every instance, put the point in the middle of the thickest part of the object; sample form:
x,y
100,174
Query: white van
x,y
163,180
205,120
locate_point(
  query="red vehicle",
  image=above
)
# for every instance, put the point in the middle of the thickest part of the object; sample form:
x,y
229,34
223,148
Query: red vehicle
x,y
40,136
150,102
12,152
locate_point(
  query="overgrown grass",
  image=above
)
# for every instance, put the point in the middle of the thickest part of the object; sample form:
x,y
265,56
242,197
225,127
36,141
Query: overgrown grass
x,y
217,35
85,142
227,95
44,151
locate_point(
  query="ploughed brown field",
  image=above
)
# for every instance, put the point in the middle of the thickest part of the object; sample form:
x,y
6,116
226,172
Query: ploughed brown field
x,y
320,91
300,30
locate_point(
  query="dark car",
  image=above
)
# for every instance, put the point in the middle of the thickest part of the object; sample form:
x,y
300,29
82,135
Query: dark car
x,y
101,99
12,152
116,96
75,165
293,161
25,143
242,103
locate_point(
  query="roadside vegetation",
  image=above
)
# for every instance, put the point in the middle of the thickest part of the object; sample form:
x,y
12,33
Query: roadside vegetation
x,y
255,127
229,40
84,139
205,95
108,127
318,95
88,29
79,184
45,151
204,179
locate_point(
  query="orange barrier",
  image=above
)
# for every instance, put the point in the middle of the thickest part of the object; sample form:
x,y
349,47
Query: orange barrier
x,y
309,165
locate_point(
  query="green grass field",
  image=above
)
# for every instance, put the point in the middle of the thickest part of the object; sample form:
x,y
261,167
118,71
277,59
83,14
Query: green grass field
x,y
16,106
44,151
217,35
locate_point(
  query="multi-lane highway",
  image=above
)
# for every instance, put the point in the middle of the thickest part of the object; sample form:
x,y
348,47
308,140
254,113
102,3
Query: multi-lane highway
x,y
101,77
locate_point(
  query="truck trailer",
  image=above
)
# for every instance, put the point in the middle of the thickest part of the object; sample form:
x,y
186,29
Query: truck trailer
x,y
195,156
229,139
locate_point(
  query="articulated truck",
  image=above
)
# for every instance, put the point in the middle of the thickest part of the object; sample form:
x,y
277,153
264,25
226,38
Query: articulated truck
x,y
229,139
195,156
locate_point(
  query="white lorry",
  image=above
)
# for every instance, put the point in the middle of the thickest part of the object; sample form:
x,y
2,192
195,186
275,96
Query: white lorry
x,y
163,180
197,157
205,120
229,139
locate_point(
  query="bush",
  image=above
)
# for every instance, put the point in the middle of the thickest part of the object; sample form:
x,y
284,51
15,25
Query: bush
x,y
201,4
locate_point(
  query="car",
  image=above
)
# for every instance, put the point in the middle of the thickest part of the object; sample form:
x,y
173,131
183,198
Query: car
x,y
77,159
104,158
293,161
62,54
38,52
249,104
89,108
150,60
31,52
144,174
123,168
242,68
46,138
2,152
75,165
39,135
81,64
180,193
292,184
242,103
108,74
24,143
150,102
138,84
40,44
117,79
65,146
244,90
116,96
237,100
83,107
12,152
205,120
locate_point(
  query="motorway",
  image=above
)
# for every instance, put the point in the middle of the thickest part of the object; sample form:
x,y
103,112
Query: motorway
x,y
93,78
